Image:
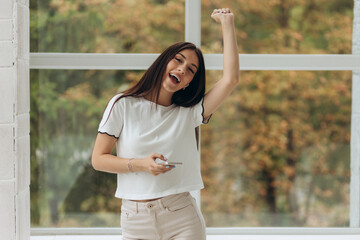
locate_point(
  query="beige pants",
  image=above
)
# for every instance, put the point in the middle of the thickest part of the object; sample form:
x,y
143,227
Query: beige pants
x,y
174,217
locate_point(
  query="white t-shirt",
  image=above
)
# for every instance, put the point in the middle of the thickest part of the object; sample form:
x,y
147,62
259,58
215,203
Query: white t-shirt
x,y
143,128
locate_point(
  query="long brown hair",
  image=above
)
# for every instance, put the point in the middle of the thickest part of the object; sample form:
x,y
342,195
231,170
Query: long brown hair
x,y
151,81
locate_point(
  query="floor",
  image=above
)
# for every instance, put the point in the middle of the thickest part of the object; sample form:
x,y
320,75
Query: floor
x,y
210,237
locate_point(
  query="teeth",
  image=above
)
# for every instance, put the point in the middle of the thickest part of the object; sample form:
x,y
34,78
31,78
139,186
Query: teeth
x,y
177,79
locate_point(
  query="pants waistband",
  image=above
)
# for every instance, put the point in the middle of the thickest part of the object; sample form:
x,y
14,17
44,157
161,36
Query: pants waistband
x,y
161,203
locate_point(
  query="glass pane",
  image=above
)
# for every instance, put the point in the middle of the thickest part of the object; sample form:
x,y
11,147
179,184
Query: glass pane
x,y
118,26
283,27
66,108
277,153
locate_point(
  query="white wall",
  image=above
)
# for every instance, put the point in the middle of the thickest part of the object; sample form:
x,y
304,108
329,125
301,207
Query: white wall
x,y
14,120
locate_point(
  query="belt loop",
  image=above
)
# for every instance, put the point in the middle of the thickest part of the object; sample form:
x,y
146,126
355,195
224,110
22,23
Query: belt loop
x,y
137,207
162,206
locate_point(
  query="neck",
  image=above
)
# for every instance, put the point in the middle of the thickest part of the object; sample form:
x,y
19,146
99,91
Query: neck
x,y
164,98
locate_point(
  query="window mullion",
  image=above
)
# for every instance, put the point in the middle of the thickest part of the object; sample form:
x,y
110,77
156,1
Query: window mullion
x,y
124,61
193,34
193,21
355,127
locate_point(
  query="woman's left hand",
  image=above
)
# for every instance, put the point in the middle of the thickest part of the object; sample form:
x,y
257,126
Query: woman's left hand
x,y
219,92
222,15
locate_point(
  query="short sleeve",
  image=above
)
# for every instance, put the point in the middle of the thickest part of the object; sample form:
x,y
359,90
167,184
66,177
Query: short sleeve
x,y
112,120
198,111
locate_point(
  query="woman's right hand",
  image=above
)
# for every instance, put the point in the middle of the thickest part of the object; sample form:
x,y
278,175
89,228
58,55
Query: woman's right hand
x,y
149,165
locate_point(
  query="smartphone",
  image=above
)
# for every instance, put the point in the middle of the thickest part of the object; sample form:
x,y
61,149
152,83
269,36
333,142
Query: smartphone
x,y
159,161
173,163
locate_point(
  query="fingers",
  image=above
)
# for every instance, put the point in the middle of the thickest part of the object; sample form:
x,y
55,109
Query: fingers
x,y
157,155
156,169
222,15
163,168
221,10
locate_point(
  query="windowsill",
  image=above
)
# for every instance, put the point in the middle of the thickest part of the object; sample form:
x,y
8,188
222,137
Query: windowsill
x,y
212,233
209,237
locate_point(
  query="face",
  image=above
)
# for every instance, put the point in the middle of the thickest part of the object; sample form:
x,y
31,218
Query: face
x,y
180,71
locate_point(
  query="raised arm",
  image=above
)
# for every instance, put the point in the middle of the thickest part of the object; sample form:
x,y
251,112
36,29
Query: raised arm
x,y
216,95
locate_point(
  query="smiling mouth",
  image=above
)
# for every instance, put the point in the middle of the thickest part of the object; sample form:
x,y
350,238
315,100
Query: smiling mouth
x,y
174,78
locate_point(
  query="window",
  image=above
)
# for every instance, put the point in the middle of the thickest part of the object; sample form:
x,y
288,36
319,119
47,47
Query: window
x,y
284,27
106,26
66,108
286,158
277,153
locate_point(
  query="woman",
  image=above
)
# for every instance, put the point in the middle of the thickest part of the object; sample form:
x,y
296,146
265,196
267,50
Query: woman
x,y
153,125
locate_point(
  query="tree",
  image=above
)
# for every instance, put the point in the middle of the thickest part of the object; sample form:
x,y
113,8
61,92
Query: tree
x,y
275,154
278,129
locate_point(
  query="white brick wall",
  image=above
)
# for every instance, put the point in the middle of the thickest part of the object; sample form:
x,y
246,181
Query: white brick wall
x,y
6,9
6,27
7,167
7,94
14,120
7,209
7,58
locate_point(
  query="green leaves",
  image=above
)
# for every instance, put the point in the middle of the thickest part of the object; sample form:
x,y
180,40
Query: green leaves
x,y
275,154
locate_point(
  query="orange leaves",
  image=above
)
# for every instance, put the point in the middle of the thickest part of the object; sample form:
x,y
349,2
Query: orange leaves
x,y
145,26
281,140
327,193
290,26
289,171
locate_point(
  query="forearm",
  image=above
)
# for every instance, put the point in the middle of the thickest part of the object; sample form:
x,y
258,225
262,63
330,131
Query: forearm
x,y
103,160
113,164
231,52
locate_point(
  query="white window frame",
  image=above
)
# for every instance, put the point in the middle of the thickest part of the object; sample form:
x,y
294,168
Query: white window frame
x,y
307,62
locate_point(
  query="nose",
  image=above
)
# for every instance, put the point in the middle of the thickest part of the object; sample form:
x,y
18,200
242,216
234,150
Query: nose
x,y
181,70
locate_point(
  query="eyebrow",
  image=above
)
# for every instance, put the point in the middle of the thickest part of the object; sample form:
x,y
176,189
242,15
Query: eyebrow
x,y
191,63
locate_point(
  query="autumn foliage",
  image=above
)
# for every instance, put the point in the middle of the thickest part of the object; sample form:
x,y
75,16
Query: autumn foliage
x,y
275,154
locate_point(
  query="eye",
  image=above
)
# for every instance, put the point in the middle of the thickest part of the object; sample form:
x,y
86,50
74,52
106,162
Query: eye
x,y
178,59
192,71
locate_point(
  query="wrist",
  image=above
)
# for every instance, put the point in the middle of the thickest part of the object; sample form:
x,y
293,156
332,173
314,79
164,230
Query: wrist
x,y
129,165
135,165
227,22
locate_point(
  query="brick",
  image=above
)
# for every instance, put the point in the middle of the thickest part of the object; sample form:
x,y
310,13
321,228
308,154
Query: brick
x,y
23,163
7,159
23,215
6,8
22,125
24,2
7,210
23,36
6,32
7,95
23,87
6,54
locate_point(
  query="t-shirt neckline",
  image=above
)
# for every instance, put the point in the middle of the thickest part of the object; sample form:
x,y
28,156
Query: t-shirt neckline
x,y
159,106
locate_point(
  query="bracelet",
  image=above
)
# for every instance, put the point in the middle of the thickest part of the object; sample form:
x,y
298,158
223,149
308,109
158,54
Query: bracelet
x,y
129,165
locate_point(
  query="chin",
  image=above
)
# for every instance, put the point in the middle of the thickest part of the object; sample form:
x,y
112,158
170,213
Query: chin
x,y
169,89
